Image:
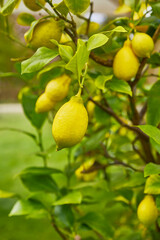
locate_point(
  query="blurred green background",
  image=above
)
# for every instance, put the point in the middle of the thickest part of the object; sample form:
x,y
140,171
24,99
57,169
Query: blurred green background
x,y
17,152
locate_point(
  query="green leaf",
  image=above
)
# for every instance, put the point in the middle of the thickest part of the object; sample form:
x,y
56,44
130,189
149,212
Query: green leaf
x,y
70,198
8,7
77,62
98,223
41,58
62,8
29,207
156,9
50,67
77,6
151,21
101,80
4,194
25,19
91,143
152,185
66,52
154,60
28,104
119,86
28,35
40,171
64,216
96,40
151,131
151,168
153,110
118,29
39,183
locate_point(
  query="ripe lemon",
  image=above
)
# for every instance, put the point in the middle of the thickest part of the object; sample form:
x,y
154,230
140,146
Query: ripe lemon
x,y
142,45
125,64
43,32
93,27
31,4
70,123
147,211
86,176
44,104
57,89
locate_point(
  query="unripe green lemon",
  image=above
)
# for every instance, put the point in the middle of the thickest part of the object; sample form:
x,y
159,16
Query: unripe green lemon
x,y
31,4
86,176
43,32
147,211
57,89
70,123
44,104
125,64
142,45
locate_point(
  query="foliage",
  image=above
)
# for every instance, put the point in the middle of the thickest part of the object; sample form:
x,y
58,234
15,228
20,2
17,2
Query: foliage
x,y
123,136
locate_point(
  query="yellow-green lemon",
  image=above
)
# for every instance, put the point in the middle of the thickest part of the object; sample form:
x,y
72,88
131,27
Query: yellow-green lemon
x,y
43,32
147,211
86,176
142,45
70,123
44,104
125,64
57,89
31,4
93,27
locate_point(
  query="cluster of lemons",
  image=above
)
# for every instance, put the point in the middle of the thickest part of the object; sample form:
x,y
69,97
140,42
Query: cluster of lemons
x,y
71,120
126,62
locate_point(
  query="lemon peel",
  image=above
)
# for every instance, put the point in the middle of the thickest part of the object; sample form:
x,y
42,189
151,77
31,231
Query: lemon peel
x,y
85,166
57,89
126,63
44,104
70,123
142,45
43,32
147,211
31,4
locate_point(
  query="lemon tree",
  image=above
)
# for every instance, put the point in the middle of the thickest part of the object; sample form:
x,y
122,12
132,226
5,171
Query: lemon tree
x,y
98,85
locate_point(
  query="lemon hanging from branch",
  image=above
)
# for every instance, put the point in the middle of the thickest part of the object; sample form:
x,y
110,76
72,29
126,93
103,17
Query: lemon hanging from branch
x,y
125,64
70,123
142,45
147,211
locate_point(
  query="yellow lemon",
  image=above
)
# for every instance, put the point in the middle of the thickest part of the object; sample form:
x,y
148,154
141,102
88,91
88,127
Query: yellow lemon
x,y
43,32
85,166
142,45
57,89
70,123
147,211
31,4
44,104
125,64
93,27
122,9
65,38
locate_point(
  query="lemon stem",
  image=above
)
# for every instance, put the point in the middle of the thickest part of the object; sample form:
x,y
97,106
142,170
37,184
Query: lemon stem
x,y
79,92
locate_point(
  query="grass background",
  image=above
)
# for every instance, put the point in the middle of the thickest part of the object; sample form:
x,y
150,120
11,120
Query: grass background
x,y
16,153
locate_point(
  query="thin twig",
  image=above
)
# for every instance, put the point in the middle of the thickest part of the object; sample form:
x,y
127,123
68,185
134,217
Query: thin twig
x,y
89,19
137,150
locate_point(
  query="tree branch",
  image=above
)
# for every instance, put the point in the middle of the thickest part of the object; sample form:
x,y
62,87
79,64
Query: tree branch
x,y
109,110
97,59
